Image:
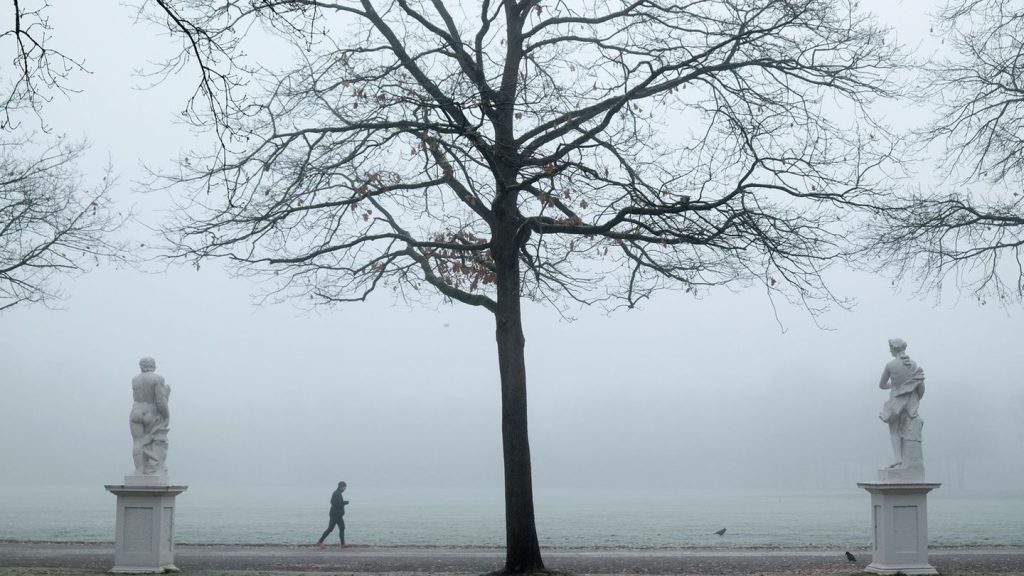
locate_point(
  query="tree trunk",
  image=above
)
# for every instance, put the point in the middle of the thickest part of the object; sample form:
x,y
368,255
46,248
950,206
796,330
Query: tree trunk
x,y
522,548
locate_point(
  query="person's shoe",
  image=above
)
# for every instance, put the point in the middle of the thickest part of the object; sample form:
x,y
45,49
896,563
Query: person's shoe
x,y
319,544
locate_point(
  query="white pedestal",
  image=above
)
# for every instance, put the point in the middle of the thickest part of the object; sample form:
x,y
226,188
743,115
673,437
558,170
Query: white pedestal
x,y
899,518
144,541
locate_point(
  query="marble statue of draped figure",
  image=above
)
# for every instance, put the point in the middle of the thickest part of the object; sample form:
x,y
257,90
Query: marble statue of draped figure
x,y
904,379
149,420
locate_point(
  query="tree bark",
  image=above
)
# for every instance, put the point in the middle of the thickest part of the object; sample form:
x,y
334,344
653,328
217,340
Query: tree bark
x,y
522,548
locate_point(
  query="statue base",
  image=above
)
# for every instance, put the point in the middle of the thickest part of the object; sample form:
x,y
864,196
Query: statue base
x,y
145,480
144,542
915,474
899,518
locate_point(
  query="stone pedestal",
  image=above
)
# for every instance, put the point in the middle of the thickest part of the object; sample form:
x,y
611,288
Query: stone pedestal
x,y
144,541
899,518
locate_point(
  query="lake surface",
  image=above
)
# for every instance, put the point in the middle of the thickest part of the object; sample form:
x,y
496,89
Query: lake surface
x,y
565,518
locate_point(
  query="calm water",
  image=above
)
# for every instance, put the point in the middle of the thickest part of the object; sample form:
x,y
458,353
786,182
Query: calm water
x,y
565,519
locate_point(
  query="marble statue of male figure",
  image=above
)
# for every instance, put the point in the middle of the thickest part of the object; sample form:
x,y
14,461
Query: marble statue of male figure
x,y
905,381
149,420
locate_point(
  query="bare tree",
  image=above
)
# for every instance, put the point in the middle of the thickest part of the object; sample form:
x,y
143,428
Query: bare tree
x,y
51,225
564,152
968,229
38,68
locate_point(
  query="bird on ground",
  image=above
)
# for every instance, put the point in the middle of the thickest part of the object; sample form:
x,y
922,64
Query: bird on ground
x,y
851,557
720,532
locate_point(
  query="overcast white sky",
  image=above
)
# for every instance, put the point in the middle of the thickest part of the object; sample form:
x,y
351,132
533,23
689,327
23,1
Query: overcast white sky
x,y
684,393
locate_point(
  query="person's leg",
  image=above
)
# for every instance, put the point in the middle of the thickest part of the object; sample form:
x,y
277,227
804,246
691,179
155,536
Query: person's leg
x,y
326,533
341,530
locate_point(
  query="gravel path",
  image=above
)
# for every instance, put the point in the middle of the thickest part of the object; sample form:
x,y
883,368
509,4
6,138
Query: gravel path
x,y
77,559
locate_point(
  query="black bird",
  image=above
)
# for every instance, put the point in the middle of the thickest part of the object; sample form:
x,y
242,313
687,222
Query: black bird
x,y
720,532
851,557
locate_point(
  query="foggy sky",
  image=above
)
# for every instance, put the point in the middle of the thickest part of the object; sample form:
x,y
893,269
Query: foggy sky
x,y
683,393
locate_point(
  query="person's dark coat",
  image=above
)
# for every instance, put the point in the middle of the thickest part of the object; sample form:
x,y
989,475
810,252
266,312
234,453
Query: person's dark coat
x,y
338,504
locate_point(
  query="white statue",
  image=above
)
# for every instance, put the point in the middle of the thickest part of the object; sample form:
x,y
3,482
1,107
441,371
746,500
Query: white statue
x,y
905,381
149,420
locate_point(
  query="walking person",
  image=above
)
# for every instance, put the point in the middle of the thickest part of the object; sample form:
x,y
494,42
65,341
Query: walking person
x,y
337,515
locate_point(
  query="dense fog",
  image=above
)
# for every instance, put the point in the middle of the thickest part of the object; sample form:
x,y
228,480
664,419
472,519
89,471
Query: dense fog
x,y
725,390
684,393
